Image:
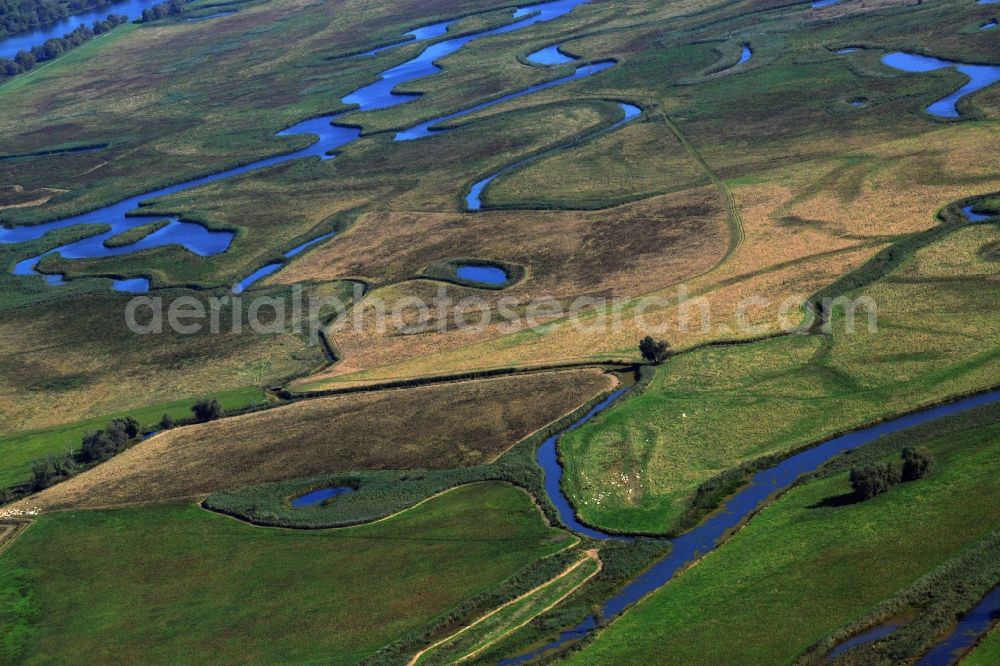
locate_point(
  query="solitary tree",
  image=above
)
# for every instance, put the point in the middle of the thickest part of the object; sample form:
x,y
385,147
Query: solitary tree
x,y
917,463
654,351
207,410
167,422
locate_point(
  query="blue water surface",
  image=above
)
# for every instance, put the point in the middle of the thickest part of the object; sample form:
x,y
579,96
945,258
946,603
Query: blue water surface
x,y
482,274
418,35
970,628
746,54
693,544
329,136
26,40
132,285
319,496
869,636
427,128
474,199
973,216
550,55
980,76
380,95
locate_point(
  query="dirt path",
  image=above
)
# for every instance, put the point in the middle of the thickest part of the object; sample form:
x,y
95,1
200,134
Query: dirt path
x,y
10,531
588,555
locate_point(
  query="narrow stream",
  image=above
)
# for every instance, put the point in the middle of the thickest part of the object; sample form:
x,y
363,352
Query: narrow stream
x,y
204,242
474,200
701,540
980,76
870,636
970,628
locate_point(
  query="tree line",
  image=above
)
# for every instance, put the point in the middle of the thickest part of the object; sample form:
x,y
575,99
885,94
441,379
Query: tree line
x,y
25,61
98,446
17,16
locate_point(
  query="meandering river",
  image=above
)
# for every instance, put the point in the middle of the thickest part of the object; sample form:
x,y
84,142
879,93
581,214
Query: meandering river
x,y
199,240
694,544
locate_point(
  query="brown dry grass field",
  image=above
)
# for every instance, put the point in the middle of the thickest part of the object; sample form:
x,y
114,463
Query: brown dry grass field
x,y
805,226
433,427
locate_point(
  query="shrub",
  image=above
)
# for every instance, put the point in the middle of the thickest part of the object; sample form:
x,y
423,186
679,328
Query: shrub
x,y
917,463
207,410
654,351
872,480
51,470
103,444
167,422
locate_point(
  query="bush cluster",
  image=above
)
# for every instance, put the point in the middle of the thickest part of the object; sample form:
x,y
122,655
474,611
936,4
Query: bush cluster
x,y
205,410
162,10
25,61
874,479
96,447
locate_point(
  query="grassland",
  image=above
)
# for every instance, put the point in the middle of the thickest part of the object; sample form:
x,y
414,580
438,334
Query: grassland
x,y
806,566
19,450
68,354
433,427
114,585
479,635
780,168
761,181
986,653
635,467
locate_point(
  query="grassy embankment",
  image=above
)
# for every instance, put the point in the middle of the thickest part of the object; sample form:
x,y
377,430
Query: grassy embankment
x,y
986,653
637,466
135,234
149,584
476,637
810,563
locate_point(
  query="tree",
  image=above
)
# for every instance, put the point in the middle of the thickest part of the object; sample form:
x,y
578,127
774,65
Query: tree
x,y
207,410
128,426
917,463
26,59
167,422
103,444
654,351
51,470
872,480
9,67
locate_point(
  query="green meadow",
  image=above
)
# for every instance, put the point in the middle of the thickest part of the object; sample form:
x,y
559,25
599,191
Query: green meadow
x,y
636,467
808,564
757,179
149,584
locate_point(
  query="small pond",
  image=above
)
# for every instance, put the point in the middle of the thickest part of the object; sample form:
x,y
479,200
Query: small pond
x,y
319,496
491,275
550,55
132,286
